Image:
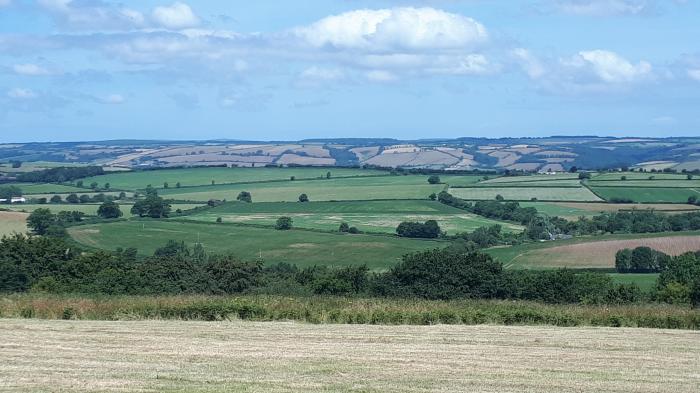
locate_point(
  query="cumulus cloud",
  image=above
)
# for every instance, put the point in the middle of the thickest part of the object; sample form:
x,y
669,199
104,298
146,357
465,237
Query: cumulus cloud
x,y
30,70
532,66
21,94
394,29
176,16
609,66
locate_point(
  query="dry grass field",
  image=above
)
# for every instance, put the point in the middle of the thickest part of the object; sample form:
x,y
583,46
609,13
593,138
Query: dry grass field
x,y
12,222
601,254
177,356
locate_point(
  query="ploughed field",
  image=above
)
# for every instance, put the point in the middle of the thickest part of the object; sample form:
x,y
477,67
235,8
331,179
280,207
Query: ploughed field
x,y
177,356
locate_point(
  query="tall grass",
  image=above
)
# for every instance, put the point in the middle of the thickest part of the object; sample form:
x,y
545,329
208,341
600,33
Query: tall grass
x,y
344,310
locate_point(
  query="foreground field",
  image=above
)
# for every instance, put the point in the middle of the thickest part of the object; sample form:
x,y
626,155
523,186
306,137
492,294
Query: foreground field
x,y
182,356
303,248
591,252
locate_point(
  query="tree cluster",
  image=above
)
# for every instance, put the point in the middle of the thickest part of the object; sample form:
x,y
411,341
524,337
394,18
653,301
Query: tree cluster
x,y
427,230
60,174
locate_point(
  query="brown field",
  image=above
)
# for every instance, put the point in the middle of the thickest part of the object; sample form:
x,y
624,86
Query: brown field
x,y
601,254
178,356
12,222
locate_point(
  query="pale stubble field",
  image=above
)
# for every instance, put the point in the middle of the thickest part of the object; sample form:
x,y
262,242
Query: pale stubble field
x,y
177,356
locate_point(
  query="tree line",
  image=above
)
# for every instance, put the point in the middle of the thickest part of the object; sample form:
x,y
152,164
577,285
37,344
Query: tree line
x,y
48,264
60,174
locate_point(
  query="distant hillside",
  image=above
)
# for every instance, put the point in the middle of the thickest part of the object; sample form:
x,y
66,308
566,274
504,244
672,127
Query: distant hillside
x,y
557,153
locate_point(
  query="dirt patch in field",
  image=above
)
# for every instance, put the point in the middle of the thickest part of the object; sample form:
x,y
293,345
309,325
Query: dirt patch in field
x,y
602,253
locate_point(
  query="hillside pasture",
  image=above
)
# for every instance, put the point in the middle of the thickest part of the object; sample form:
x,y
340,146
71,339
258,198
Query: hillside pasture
x,y
89,209
647,195
615,176
534,178
12,222
526,193
695,183
591,252
204,176
357,188
300,247
372,216
181,356
573,210
29,189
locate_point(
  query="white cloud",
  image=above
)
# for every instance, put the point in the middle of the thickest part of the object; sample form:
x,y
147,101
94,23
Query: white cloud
x,y
532,66
92,15
604,7
113,99
395,29
21,94
5,3
176,16
30,70
694,74
381,76
609,67
322,74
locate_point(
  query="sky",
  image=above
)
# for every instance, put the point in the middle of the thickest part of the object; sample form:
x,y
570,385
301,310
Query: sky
x,y
74,70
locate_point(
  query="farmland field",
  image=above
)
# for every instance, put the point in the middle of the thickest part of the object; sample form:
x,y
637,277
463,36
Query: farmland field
x,y
565,177
526,193
639,176
45,188
303,248
592,252
204,176
12,222
573,210
87,208
359,188
372,216
647,195
647,183
644,281
178,356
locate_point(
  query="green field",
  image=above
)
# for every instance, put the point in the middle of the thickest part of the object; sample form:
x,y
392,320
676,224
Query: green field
x,y
358,188
559,210
45,188
534,178
87,208
36,166
580,194
647,195
303,248
204,176
374,216
647,183
461,180
645,281
638,176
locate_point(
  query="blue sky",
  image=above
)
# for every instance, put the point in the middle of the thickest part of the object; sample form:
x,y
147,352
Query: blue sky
x,y
279,70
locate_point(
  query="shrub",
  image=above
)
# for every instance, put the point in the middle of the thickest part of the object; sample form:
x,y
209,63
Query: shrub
x,y
303,198
245,196
434,179
283,223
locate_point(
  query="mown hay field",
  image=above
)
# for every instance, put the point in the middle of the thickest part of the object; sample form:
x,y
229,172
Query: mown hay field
x,y
593,252
204,176
647,195
358,188
301,247
179,356
368,216
580,194
12,222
